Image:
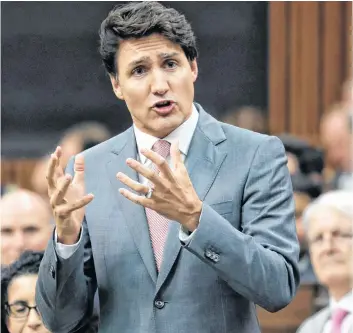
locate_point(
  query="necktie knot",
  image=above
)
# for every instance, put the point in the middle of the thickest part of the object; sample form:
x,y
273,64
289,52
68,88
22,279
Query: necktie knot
x,y
337,318
162,147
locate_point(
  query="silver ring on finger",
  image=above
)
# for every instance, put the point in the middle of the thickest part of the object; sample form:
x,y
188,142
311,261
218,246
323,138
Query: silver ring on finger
x,y
148,195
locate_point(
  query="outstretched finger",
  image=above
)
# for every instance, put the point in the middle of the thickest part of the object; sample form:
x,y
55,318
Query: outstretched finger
x,y
79,203
51,171
58,196
59,171
138,199
160,162
134,185
175,155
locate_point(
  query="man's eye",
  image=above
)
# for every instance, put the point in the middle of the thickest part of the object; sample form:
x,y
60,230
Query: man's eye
x,y
30,230
317,239
6,231
138,71
171,64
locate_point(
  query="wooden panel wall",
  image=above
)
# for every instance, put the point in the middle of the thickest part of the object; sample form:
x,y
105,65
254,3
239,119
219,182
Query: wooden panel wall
x,y
17,172
310,57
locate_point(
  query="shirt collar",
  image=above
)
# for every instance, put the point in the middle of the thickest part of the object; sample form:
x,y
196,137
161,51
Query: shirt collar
x,y
346,302
183,133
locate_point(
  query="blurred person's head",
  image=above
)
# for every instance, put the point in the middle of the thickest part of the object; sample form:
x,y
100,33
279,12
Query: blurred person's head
x,y
301,201
248,117
347,94
336,138
80,137
25,224
74,140
302,157
18,282
149,52
292,163
328,222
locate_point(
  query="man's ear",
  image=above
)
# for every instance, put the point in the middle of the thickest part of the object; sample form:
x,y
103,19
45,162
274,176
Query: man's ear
x,y
194,69
116,87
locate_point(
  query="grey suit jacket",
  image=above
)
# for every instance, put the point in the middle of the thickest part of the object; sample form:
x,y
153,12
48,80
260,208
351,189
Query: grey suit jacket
x,y
244,251
315,323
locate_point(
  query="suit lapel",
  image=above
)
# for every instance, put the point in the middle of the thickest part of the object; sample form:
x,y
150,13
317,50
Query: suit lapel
x,y
135,216
203,163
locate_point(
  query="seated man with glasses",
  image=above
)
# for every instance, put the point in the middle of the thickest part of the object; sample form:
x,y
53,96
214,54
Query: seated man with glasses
x,y
19,312
328,223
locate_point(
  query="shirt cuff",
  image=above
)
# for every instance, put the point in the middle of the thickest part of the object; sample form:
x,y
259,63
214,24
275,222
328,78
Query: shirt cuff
x,y
185,236
66,251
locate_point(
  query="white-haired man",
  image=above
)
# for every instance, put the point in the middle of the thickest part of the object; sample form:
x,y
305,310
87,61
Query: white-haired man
x,y
328,222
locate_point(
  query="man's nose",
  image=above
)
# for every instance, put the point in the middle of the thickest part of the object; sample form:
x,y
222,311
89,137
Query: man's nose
x,y
328,243
159,83
34,322
19,241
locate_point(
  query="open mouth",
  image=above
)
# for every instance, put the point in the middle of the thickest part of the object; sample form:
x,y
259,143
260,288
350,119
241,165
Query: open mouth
x,y
162,104
164,107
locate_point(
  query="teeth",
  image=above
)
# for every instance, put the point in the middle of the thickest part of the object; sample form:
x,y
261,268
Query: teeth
x,y
163,103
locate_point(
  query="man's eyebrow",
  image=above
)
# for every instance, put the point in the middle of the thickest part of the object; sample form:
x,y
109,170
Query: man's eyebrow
x,y
144,59
165,55
139,61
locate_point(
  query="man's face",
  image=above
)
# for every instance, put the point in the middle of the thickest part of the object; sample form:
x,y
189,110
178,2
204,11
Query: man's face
x,y
24,229
301,201
337,143
330,242
150,70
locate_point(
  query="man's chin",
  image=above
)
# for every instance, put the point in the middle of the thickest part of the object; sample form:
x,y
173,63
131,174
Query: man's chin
x,y
166,124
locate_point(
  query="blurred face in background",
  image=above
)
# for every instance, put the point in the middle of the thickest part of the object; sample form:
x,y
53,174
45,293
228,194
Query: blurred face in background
x,y
292,163
331,248
25,224
301,200
337,141
150,70
20,294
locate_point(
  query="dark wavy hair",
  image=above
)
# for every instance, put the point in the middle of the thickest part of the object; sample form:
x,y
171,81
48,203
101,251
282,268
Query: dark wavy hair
x,y
27,263
141,19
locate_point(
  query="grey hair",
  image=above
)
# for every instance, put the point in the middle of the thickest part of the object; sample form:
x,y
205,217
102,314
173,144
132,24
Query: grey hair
x,y
340,201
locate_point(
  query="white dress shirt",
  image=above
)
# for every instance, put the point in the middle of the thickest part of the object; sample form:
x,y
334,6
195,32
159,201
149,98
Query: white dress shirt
x,y
183,134
345,303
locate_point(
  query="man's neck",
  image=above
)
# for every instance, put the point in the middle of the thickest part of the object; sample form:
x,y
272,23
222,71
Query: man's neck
x,y
339,291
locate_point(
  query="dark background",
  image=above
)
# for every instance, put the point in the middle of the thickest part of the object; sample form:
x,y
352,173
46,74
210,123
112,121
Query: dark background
x,y
52,76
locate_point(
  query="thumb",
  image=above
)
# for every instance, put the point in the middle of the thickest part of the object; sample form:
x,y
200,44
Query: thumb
x,y
79,168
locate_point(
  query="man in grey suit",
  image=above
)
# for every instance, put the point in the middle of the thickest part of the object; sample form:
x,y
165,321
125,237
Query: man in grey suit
x,y
328,223
188,223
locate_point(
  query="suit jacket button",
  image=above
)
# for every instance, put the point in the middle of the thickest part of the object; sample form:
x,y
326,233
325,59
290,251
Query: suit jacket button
x,y
52,272
208,254
159,304
216,258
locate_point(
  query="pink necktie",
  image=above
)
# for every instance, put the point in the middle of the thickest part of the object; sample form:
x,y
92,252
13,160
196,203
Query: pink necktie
x,y
337,318
158,224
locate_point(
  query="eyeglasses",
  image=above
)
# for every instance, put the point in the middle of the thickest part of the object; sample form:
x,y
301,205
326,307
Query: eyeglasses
x,y
19,309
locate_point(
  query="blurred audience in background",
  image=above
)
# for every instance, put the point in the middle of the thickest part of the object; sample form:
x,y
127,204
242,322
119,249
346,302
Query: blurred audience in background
x,y
249,117
328,226
305,164
18,308
26,224
77,138
336,138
